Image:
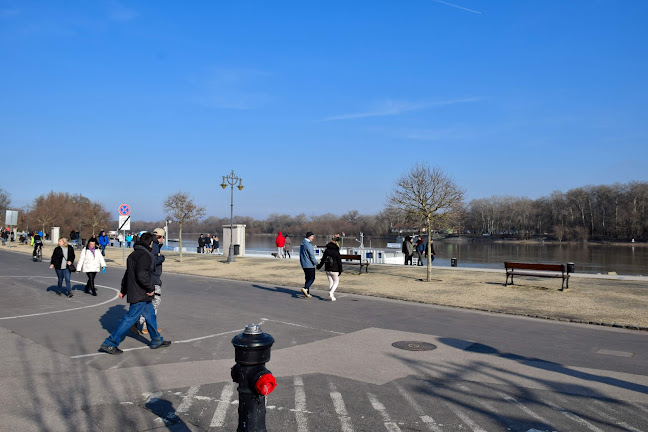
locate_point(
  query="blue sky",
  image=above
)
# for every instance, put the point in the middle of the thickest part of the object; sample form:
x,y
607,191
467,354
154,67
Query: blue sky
x,y
318,106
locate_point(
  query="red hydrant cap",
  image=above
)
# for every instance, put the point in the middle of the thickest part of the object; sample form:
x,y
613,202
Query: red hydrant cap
x,y
266,384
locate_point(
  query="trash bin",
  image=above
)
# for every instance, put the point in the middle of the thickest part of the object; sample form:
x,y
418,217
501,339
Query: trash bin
x,y
570,267
237,249
198,249
453,262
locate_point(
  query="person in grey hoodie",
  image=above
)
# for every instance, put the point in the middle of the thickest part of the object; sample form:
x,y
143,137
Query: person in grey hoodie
x,y
308,262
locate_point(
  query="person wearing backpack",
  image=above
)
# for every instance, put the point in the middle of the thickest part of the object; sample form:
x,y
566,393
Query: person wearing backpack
x,y
332,263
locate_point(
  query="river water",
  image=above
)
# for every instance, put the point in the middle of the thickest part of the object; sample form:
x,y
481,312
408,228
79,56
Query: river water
x,y
588,258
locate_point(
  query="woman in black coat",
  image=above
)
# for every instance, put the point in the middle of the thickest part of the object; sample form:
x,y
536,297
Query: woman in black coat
x,y
62,258
332,263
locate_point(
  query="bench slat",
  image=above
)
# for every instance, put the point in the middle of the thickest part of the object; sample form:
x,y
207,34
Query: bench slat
x,y
534,266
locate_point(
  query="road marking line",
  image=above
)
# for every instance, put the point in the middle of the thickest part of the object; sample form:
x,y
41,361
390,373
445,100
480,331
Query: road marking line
x,y
340,409
428,420
65,310
301,325
524,408
464,418
570,415
606,416
223,403
300,405
187,400
146,346
387,421
194,339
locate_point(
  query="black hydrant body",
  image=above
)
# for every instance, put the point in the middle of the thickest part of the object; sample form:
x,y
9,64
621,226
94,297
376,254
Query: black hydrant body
x,y
255,382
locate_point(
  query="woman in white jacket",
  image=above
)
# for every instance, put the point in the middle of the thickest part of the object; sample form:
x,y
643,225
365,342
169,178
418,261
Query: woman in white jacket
x,y
90,262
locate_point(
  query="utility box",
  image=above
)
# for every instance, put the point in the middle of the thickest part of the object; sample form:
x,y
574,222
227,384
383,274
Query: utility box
x,y
54,237
236,236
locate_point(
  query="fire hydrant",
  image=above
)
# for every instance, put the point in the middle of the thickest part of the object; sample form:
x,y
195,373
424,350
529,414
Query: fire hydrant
x,y
255,382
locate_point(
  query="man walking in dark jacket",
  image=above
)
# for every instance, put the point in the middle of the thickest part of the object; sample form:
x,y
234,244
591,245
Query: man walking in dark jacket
x,y
158,237
137,285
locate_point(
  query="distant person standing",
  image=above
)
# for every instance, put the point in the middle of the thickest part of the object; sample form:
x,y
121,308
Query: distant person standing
x,y
120,239
5,236
215,245
201,244
408,250
280,241
332,262
129,239
287,247
137,285
420,250
308,262
103,242
62,258
207,243
91,262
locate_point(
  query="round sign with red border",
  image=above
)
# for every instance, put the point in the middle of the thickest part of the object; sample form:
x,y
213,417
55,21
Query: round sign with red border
x,y
124,209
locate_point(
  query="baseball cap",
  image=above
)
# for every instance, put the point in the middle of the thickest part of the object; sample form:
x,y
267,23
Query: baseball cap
x,y
158,232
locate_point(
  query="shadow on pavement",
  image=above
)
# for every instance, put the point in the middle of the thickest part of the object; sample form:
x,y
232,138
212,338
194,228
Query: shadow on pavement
x,y
543,364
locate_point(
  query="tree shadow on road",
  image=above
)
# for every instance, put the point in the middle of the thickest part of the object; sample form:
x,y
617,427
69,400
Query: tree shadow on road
x,y
544,365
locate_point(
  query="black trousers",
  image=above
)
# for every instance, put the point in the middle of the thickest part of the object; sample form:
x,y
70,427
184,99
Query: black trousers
x,y
309,276
90,284
408,259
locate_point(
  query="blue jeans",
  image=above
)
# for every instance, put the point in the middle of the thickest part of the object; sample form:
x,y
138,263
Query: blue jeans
x,y
309,278
103,250
64,273
136,309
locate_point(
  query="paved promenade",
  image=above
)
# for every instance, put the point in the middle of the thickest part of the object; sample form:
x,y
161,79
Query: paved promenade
x,y
335,363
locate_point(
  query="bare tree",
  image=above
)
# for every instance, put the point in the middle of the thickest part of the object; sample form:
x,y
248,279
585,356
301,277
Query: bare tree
x,y
96,216
5,202
429,195
181,208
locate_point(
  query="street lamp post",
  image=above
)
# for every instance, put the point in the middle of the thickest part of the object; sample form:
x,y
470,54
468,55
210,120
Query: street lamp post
x,y
166,232
231,180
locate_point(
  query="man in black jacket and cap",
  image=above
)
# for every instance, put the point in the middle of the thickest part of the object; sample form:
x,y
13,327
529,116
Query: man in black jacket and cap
x,y
137,285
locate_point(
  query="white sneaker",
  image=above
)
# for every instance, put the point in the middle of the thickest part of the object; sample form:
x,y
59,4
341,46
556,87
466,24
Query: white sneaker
x,y
332,297
306,293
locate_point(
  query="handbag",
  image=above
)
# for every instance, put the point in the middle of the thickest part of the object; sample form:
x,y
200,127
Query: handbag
x,y
72,268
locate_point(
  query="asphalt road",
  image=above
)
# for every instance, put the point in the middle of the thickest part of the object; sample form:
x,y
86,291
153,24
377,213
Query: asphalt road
x,y
335,364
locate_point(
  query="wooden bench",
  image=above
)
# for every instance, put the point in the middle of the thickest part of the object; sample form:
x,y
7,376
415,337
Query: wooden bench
x,y
358,258
511,268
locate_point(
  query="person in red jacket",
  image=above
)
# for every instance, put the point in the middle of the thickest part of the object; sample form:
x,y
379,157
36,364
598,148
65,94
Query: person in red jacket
x,y
281,242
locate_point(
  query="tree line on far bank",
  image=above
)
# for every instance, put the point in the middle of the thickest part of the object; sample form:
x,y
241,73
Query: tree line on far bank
x,y
616,212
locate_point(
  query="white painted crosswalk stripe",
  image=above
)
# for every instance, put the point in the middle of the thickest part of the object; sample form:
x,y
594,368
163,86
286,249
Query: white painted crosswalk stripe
x,y
523,407
389,424
188,399
300,405
428,420
610,418
340,409
570,415
465,418
223,403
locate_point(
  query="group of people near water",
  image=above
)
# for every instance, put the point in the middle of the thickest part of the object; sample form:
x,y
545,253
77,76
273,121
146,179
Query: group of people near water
x,y
209,245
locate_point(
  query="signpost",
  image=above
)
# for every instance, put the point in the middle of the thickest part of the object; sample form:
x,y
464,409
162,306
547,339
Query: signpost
x,y
124,225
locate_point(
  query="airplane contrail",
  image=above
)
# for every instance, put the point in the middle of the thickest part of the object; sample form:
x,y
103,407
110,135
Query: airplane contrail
x,y
457,6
